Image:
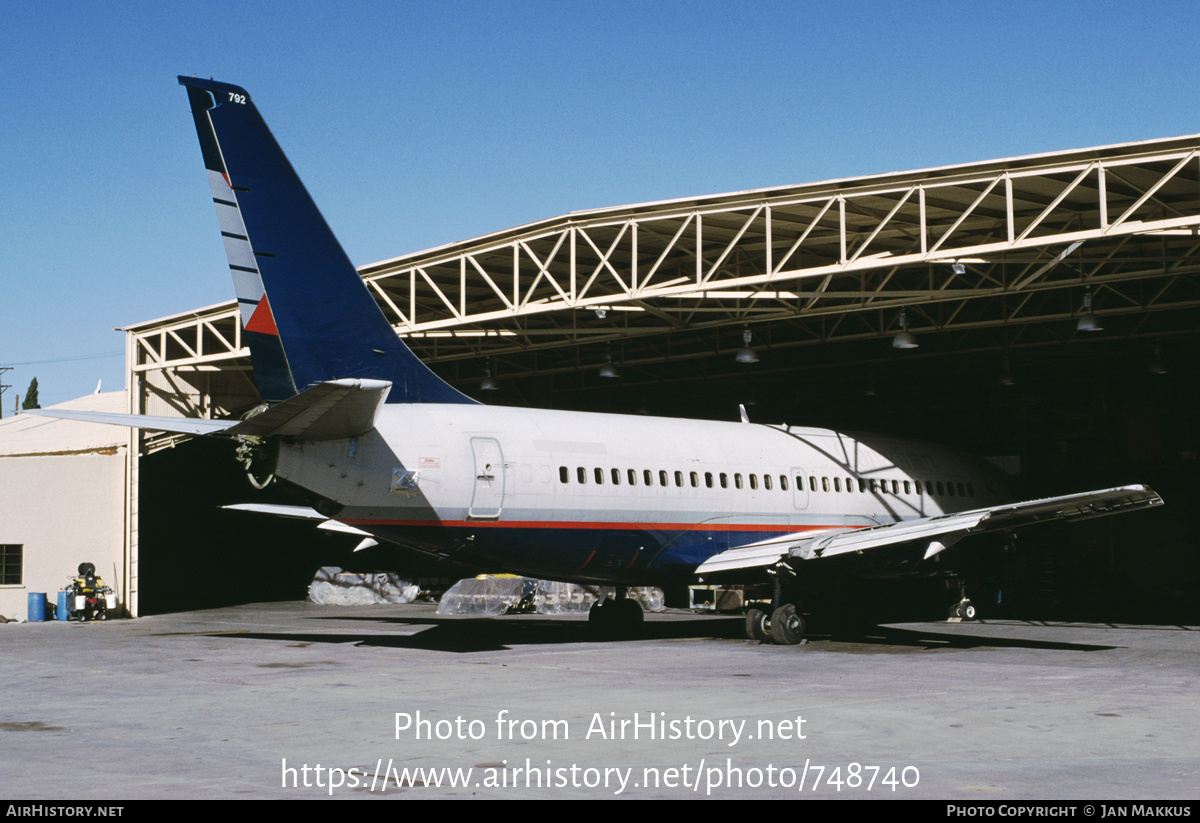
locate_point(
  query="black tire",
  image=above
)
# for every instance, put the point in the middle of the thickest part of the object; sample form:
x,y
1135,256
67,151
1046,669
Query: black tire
x,y
758,625
787,626
616,617
967,610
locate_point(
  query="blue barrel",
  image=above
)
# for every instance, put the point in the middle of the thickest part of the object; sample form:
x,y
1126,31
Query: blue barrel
x,y
64,610
37,607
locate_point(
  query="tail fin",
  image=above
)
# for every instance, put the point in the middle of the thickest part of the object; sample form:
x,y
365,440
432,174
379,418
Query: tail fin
x,y
307,315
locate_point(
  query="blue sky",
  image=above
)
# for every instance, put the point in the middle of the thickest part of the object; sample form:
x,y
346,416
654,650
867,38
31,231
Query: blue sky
x,y
416,124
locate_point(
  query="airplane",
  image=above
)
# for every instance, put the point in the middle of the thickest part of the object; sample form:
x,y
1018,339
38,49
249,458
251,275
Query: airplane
x,y
393,453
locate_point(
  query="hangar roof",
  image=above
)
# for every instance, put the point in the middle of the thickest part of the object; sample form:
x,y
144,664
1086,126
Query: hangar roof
x,y
996,256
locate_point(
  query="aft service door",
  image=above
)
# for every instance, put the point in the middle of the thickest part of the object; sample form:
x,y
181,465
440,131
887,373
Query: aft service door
x,y
489,479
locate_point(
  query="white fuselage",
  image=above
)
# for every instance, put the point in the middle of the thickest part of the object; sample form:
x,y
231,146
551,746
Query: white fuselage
x,y
601,497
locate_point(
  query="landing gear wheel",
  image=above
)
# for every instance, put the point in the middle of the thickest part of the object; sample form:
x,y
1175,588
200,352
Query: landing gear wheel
x,y
758,625
966,610
616,616
787,626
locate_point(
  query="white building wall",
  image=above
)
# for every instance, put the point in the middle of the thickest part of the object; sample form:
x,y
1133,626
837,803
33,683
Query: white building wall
x,y
62,498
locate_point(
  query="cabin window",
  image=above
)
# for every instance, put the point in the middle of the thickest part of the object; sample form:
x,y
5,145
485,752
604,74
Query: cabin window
x,y
837,483
895,487
679,478
971,489
724,480
599,476
961,491
907,487
825,484
581,473
812,482
563,474
708,480
695,478
662,477
941,489
849,484
767,482
929,487
648,476
737,480
783,482
616,476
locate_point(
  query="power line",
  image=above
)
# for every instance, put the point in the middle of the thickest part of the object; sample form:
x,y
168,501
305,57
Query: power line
x,y
70,359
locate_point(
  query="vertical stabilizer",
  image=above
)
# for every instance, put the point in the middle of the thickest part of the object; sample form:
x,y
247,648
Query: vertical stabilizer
x,y
307,315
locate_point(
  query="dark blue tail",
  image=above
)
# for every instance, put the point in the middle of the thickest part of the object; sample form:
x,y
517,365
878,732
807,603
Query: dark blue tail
x,y
307,315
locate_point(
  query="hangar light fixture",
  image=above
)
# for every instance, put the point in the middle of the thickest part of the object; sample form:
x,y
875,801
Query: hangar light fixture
x,y
608,369
1156,365
489,383
1089,321
958,268
746,354
905,339
1006,378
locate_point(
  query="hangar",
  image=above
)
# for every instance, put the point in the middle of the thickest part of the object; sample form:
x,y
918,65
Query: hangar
x,y
1052,300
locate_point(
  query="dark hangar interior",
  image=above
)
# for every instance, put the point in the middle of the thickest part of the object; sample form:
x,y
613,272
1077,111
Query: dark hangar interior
x,y
1053,301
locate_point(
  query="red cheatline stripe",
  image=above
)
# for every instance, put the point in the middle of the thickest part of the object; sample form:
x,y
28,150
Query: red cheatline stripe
x,y
585,524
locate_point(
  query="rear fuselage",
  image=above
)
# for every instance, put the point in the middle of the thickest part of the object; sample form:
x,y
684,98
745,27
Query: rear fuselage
x,y
606,498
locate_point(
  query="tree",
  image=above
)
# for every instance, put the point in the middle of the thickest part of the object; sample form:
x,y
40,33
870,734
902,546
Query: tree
x,y
31,398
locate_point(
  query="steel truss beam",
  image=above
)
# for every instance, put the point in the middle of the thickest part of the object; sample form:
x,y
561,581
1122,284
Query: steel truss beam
x,y
1008,243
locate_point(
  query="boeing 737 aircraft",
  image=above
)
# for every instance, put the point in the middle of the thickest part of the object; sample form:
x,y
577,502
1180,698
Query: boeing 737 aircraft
x,y
396,454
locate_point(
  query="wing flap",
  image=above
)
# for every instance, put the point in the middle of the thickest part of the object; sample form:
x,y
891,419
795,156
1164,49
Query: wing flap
x,y
939,531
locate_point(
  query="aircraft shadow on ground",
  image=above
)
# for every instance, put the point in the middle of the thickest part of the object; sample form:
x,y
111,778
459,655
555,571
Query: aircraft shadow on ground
x,y
472,635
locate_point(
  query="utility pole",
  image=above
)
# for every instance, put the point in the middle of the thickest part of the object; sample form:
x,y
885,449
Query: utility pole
x,y
4,386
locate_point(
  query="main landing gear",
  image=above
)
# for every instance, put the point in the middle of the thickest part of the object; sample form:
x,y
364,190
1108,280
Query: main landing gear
x,y
784,626
963,609
616,616
782,622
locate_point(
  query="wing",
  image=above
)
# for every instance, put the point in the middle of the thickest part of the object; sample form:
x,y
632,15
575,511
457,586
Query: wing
x,y
936,532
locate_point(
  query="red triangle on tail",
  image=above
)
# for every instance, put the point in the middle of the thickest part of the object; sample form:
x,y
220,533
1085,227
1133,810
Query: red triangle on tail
x,y
262,321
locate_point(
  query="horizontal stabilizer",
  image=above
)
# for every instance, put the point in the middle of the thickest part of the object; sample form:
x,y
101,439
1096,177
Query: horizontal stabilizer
x,y
177,425
333,410
946,528
305,513
278,510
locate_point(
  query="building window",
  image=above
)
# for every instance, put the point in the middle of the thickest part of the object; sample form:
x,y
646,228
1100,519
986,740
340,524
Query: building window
x,y
10,564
